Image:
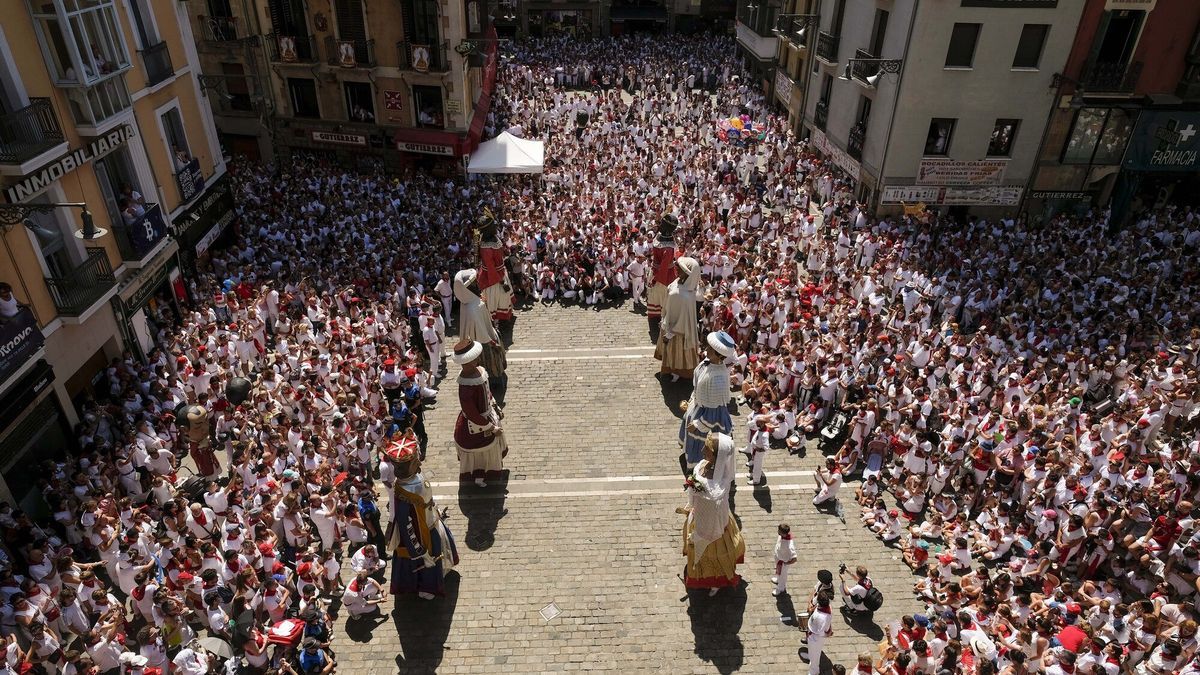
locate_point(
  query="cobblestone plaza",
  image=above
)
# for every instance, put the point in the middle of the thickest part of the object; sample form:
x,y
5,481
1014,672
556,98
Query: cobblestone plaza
x,y
575,564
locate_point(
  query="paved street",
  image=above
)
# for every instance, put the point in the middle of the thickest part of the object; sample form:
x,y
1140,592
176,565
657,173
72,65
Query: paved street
x,y
586,523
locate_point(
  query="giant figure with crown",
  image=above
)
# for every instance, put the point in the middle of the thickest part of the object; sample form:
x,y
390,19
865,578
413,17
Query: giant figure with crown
x,y
423,546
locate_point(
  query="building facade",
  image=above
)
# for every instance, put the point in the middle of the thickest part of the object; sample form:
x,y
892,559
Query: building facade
x,y
941,102
392,81
101,111
1120,132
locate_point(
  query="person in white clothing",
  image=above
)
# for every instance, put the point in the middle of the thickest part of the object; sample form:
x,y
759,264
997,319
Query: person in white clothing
x,y
637,280
445,290
820,627
362,596
760,442
829,481
433,347
785,557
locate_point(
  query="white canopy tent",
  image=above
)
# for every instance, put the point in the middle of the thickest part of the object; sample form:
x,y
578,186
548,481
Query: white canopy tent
x,y
508,154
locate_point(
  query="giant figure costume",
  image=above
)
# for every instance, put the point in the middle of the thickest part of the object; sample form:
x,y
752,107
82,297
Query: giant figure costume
x,y
423,546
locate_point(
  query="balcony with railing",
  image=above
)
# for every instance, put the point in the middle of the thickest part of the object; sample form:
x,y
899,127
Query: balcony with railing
x,y
292,49
350,53
821,114
136,238
157,60
1110,78
854,142
28,132
827,46
83,286
433,58
219,28
861,71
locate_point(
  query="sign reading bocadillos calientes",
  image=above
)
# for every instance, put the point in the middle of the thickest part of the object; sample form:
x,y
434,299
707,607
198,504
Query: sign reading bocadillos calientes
x,y
33,185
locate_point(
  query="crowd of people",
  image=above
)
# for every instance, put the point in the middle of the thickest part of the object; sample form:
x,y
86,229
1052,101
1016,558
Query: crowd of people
x,y
1019,398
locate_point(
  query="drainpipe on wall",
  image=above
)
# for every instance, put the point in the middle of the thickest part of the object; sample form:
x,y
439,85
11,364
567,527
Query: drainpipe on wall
x,y
887,141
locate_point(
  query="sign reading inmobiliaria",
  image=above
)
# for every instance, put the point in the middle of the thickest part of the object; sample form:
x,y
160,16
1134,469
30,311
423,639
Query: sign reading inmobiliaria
x,y
34,184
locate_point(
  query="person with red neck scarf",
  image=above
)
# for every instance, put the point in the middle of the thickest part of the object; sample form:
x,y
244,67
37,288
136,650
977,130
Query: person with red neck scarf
x,y
362,596
820,627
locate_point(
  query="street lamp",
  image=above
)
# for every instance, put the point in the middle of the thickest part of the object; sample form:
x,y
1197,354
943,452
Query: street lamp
x,y
13,214
797,25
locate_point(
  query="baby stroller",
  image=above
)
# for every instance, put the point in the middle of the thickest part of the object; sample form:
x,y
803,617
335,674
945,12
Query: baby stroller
x,y
834,433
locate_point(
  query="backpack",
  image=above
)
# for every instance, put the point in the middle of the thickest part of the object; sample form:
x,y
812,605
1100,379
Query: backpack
x,y
873,600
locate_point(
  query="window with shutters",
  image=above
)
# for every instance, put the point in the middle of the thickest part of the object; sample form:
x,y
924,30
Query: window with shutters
x,y
421,22
287,18
352,27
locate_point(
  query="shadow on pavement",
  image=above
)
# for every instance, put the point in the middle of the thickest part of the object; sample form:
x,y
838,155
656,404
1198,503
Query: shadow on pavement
x,y
483,508
716,622
423,626
362,629
674,393
762,495
863,624
787,611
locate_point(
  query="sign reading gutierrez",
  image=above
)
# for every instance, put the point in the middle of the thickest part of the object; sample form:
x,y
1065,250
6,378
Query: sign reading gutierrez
x,y
33,185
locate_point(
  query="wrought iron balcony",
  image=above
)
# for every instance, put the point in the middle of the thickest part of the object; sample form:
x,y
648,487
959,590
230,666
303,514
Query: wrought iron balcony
x,y
220,28
76,292
854,143
350,53
821,114
435,56
292,49
827,46
27,132
157,59
861,71
1111,78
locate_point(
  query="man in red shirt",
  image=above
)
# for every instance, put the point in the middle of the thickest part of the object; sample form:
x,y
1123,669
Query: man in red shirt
x,y
1072,637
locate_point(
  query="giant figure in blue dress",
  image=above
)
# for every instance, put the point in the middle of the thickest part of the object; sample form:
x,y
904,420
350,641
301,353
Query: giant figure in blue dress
x,y
423,545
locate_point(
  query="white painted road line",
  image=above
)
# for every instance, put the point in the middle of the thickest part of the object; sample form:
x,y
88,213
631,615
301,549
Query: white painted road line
x,y
589,357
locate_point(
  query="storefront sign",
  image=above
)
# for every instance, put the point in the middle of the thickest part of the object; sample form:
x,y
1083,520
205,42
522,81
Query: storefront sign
x,y
838,156
1056,194
147,280
1165,141
783,86
190,180
1022,4
937,171
20,338
982,196
949,195
910,194
1143,5
425,148
211,214
339,139
33,185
